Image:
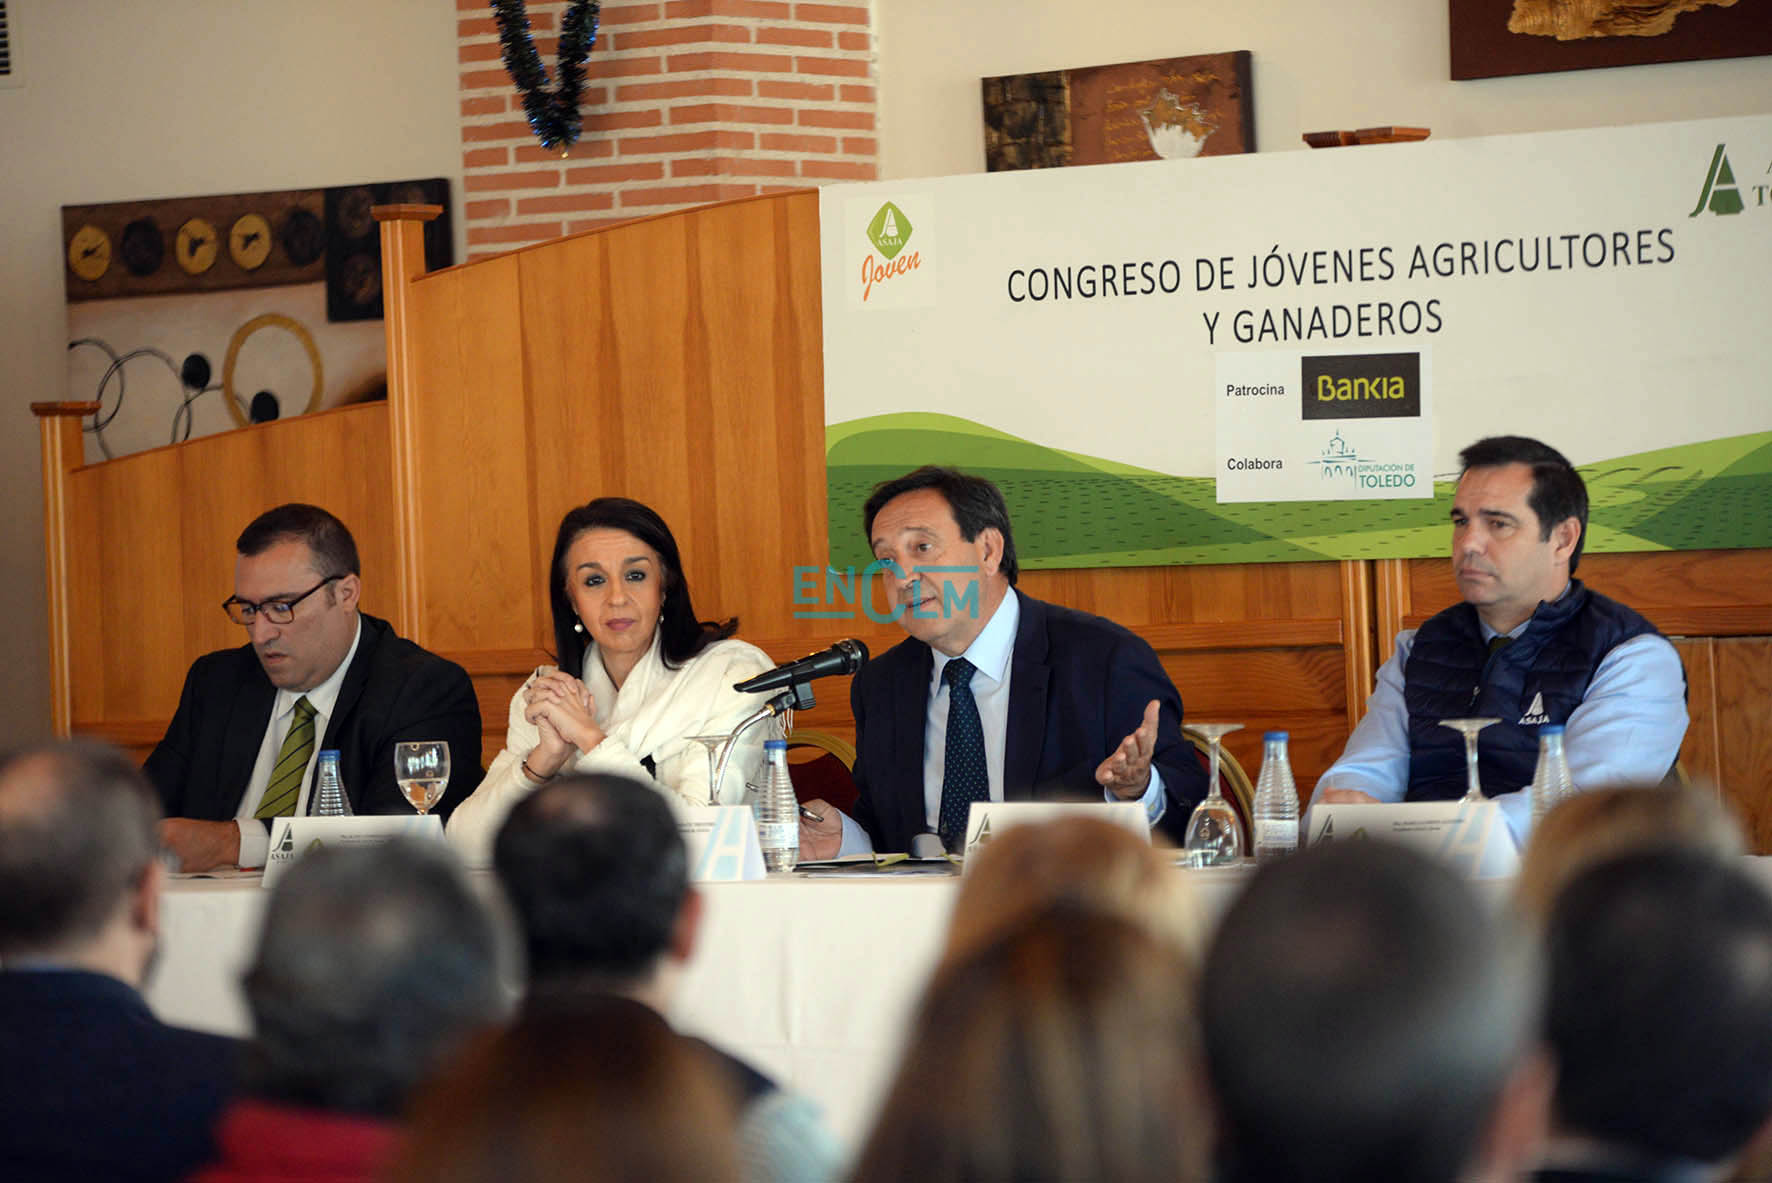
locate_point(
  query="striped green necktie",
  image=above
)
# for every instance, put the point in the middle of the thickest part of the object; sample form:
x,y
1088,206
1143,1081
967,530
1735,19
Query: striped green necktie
x,y
292,765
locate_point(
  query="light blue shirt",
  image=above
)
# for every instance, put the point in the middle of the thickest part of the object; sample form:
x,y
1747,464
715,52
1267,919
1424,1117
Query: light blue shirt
x,y
1627,729
992,654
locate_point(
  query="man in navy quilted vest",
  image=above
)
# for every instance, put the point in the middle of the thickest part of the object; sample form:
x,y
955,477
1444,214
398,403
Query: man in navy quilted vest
x,y
1530,645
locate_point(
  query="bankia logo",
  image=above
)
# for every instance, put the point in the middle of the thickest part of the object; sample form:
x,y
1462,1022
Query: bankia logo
x,y
1361,386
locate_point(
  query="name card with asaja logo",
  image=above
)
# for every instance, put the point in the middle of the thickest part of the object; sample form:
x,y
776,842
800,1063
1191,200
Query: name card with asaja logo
x,y
722,842
1361,386
988,818
293,838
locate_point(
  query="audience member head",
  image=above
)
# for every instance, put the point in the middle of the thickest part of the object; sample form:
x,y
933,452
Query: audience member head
x,y
79,882
1660,1009
618,539
1028,868
598,877
1366,1017
373,965
1599,824
1062,1048
601,1091
297,586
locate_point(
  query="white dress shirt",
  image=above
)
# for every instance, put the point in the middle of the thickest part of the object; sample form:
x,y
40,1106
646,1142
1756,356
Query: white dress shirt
x,y
255,837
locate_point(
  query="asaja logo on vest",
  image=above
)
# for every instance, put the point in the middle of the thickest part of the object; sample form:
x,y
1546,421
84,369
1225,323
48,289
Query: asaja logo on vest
x,y
1535,713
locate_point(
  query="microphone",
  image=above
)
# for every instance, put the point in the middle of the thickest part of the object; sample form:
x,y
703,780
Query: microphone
x,y
845,657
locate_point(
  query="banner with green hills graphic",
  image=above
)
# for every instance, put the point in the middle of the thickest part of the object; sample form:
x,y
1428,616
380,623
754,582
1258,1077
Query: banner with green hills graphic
x,y
1075,510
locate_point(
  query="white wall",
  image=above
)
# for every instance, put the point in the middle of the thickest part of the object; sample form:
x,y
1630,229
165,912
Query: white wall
x,y
164,98
1317,66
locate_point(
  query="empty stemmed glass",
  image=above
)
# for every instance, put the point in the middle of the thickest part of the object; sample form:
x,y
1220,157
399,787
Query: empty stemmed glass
x,y
421,769
1469,727
1214,836
712,744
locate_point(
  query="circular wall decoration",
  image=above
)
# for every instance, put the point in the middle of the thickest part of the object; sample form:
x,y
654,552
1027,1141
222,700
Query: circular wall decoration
x,y
354,217
360,279
196,246
303,237
270,320
89,253
143,247
249,241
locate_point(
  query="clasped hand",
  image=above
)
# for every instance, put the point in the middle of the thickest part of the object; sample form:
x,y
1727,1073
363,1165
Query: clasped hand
x,y
565,714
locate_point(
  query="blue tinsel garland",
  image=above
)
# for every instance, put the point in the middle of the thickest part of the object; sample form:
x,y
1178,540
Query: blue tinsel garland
x,y
553,114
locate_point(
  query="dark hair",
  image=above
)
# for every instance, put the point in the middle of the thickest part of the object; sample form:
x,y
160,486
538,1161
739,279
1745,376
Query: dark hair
x,y
1558,491
335,551
1661,1004
681,635
78,826
373,964
976,504
1362,1012
1065,1048
603,1093
597,873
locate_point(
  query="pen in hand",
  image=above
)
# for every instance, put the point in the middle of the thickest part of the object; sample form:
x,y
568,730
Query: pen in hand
x,y
810,816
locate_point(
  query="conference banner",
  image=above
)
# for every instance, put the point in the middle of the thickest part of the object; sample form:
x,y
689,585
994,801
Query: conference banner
x,y
1278,356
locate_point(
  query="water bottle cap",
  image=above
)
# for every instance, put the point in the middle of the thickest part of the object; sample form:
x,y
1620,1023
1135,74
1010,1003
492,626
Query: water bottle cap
x,y
775,745
329,754
1276,736
1551,729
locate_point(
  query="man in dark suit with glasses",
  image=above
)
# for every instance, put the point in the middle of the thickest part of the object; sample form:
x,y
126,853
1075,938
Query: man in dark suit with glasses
x,y
316,674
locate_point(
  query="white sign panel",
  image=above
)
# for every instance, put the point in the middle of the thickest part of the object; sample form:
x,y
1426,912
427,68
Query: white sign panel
x,y
1323,426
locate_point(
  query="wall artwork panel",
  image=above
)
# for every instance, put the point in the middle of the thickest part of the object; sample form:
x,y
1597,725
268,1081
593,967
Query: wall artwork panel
x,y
1157,110
1491,38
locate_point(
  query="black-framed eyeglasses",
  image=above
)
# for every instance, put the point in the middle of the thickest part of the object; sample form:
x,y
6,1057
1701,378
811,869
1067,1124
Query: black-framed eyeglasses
x,y
276,611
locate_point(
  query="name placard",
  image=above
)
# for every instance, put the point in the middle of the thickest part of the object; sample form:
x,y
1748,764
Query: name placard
x,y
1473,838
722,841
988,817
294,837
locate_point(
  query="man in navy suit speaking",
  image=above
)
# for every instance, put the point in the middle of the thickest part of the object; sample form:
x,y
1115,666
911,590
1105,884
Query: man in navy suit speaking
x,y
995,695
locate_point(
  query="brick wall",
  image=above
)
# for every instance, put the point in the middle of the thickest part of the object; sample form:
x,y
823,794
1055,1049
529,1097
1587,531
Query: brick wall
x,y
685,102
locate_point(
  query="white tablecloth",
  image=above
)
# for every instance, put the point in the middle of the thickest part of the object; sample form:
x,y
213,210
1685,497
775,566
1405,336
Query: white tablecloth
x,y
812,980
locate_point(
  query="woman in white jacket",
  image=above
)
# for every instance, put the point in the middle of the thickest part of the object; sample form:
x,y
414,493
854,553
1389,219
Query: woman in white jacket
x,y
638,674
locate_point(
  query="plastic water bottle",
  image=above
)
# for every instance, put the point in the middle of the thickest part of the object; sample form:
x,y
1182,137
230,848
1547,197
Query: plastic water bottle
x,y
1550,781
1276,801
778,810
329,792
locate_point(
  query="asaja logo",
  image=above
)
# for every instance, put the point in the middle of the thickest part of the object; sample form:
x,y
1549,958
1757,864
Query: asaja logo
x,y
889,231
1720,192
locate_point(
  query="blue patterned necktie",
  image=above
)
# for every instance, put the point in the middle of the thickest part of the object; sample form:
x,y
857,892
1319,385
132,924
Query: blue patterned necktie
x,y
964,778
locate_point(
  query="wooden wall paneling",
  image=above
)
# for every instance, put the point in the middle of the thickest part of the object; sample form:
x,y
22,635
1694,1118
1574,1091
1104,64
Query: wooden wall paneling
x,y
155,551
59,432
1698,752
1744,733
1360,666
403,261
472,472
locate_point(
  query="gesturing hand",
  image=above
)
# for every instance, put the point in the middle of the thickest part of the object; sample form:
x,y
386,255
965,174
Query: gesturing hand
x,y
1126,773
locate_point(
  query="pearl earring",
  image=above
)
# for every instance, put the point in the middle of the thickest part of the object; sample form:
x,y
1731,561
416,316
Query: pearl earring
x,y
578,626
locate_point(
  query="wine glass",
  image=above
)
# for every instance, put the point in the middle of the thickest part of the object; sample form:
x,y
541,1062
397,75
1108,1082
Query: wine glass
x,y
1470,727
1214,836
712,744
421,769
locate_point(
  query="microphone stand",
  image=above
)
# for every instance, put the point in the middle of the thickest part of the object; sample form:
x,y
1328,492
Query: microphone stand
x,y
797,697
